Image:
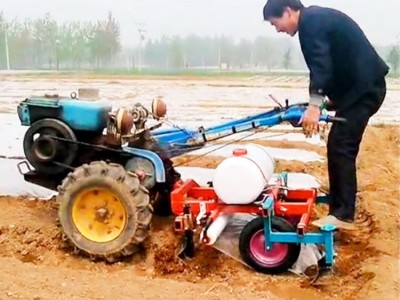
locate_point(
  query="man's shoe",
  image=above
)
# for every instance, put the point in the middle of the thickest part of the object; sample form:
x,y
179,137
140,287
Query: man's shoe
x,y
332,220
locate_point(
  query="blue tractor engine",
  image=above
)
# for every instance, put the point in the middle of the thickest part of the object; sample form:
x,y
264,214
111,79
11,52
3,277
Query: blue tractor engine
x,y
66,132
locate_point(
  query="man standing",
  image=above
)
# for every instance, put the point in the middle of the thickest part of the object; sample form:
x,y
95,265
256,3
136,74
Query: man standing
x,y
345,68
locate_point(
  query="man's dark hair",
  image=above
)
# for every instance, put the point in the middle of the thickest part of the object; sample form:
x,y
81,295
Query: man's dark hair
x,y
275,8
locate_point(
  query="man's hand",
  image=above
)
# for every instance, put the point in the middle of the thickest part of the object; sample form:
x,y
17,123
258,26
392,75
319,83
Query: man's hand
x,y
310,120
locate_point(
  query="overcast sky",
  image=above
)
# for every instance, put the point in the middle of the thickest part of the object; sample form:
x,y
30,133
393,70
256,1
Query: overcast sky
x,y
380,19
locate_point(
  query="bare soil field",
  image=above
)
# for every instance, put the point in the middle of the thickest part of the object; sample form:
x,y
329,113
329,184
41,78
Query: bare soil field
x,y
35,264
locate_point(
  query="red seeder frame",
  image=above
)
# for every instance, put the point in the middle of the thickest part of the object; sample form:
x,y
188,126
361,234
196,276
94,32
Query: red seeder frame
x,y
297,202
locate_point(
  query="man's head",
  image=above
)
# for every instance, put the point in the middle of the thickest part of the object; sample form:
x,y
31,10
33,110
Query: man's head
x,y
283,14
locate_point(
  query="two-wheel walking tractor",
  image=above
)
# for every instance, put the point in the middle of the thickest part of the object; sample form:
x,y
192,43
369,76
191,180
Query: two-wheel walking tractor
x,y
112,172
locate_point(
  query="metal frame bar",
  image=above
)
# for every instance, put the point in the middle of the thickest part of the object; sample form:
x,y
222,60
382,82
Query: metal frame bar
x,y
324,237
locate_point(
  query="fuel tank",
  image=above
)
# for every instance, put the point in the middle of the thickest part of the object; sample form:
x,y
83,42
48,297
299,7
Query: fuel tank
x,y
241,178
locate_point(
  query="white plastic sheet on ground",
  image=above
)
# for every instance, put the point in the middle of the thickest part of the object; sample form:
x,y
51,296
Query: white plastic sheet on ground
x,y
12,183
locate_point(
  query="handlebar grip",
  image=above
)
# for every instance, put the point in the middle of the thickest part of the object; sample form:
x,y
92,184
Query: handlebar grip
x,y
337,119
327,118
295,115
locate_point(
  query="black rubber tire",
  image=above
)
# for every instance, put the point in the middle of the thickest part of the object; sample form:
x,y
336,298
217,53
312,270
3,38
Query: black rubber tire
x,y
279,225
133,195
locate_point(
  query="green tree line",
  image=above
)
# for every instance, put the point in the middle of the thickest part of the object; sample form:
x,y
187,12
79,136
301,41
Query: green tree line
x,y
44,43
220,52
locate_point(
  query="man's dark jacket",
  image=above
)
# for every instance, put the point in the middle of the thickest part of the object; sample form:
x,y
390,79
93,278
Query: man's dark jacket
x,y
343,64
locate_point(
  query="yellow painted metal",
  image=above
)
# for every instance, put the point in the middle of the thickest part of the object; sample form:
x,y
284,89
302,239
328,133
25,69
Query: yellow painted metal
x,y
99,215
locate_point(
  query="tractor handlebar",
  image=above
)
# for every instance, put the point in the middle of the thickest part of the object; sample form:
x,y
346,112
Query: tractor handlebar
x,y
334,119
295,113
179,141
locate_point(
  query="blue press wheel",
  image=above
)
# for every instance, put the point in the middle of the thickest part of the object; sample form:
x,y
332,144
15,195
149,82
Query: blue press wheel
x,y
252,247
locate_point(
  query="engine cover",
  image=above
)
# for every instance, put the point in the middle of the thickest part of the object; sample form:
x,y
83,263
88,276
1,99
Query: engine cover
x,y
77,114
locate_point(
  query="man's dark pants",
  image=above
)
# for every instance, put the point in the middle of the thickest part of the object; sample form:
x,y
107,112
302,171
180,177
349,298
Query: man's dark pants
x,y
343,147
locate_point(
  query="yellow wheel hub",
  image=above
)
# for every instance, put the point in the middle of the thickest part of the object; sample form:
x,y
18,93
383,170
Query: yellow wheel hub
x,y
99,215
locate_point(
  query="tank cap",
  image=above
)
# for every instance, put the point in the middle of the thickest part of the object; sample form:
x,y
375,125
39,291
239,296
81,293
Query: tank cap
x,y
239,152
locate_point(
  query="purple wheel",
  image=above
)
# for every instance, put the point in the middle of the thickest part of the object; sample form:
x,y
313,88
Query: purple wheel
x,y
273,261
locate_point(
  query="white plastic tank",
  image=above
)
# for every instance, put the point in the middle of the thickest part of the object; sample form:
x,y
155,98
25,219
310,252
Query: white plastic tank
x,y
241,178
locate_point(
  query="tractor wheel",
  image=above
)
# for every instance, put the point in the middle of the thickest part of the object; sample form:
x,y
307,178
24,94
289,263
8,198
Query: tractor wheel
x,y
103,211
252,247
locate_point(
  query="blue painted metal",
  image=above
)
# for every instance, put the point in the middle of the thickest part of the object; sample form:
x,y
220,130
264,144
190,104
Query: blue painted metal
x,y
324,237
179,141
328,232
153,157
41,102
24,108
268,209
78,114
92,116
284,176
85,115
23,114
268,205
